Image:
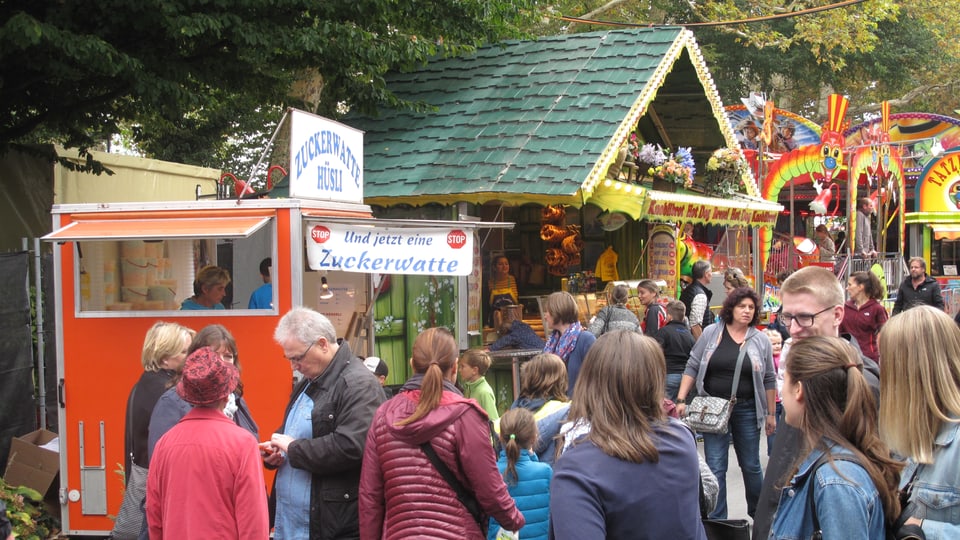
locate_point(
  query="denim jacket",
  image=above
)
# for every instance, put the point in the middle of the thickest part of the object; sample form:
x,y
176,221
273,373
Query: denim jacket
x,y
759,353
936,489
848,505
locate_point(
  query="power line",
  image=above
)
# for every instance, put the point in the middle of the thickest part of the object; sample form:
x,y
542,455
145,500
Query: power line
x,y
808,11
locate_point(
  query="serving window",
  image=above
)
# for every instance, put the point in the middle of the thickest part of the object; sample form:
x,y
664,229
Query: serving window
x,y
151,265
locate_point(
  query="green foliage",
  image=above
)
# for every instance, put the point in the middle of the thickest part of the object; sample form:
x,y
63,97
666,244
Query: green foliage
x,y
871,51
25,512
188,74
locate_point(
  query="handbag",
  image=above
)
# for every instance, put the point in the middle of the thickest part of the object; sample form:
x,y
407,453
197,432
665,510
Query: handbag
x,y
130,517
707,414
898,530
722,529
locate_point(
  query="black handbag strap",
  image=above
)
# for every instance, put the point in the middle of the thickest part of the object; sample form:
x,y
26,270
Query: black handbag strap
x,y
465,497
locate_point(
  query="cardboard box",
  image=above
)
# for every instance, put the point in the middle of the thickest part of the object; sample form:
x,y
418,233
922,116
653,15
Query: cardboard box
x,y
32,466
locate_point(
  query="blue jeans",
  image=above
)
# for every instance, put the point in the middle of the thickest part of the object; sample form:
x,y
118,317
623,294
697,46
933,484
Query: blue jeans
x,y
673,386
746,443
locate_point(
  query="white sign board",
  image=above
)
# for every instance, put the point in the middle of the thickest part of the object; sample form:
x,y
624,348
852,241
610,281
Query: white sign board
x,y
326,159
360,248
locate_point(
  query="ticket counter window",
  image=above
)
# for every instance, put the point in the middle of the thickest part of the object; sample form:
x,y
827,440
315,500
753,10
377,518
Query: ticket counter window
x,y
944,255
156,273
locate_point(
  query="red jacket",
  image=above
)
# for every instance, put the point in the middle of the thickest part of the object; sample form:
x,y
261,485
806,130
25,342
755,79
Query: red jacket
x,y
401,493
206,481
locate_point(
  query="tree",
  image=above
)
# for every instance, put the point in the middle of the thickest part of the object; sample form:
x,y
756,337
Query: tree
x,y
871,50
187,74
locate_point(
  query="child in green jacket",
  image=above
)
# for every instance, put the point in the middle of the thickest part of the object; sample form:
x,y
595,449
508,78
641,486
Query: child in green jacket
x,y
473,366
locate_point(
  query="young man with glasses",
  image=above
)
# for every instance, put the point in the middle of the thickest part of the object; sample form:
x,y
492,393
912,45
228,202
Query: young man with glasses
x,y
812,300
318,449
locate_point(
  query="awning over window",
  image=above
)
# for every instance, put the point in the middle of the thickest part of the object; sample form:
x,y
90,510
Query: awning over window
x,y
946,231
158,229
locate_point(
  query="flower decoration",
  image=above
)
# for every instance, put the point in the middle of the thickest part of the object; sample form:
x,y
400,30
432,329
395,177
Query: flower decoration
x,y
725,170
652,154
677,168
633,148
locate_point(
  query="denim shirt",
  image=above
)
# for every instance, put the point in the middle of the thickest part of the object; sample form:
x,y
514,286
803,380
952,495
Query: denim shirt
x,y
848,505
759,354
936,489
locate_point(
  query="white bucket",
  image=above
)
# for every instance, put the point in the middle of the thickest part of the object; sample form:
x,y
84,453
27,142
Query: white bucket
x,y
135,295
133,249
153,249
133,272
163,293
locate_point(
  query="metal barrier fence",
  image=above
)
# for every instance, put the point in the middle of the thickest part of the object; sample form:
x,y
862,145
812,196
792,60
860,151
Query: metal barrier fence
x,y
892,264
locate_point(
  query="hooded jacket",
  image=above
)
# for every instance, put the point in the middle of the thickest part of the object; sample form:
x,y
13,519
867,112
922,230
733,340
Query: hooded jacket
x,y
401,493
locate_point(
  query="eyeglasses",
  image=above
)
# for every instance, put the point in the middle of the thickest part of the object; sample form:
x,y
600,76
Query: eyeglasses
x,y
803,320
299,358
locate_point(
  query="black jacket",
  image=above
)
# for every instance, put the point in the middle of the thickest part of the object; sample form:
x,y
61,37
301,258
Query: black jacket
x,y
345,397
143,398
676,341
927,293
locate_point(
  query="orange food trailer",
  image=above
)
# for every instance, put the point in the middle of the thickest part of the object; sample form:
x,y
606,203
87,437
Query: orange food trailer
x,y
119,268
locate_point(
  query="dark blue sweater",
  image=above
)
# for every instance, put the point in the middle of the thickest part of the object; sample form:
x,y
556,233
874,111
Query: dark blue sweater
x,y
593,495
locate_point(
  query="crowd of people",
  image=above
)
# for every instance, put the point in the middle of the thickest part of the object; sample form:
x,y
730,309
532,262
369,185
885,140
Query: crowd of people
x,y
861,413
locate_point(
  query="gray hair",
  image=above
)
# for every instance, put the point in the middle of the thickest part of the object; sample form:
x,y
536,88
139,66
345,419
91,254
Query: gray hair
x,y
306,326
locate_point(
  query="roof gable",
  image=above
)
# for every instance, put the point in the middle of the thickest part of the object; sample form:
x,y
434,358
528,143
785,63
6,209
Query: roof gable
x,y
527,121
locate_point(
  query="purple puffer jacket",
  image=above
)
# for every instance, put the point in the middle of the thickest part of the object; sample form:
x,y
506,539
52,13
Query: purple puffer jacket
x,y
401,493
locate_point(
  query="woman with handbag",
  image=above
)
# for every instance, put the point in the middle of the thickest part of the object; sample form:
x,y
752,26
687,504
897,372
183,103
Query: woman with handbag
x,y
920,415
633,474
429,470
845,483
733,362
615,315
164,352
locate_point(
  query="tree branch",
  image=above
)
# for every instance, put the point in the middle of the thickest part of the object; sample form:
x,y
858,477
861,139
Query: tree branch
x,y
905,99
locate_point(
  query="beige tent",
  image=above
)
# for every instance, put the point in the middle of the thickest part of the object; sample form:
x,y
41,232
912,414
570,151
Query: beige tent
x,y
31,185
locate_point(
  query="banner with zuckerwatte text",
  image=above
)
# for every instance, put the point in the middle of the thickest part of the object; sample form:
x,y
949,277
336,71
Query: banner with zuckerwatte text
x,y
434,251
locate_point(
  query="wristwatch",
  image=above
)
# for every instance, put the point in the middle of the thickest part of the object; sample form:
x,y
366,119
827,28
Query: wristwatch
x,y
681,401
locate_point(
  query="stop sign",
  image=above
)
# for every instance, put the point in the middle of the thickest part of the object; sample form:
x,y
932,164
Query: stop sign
x,y
456,239
320,234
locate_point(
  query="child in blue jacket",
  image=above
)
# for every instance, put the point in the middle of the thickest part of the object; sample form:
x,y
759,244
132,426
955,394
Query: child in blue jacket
x,y
527,479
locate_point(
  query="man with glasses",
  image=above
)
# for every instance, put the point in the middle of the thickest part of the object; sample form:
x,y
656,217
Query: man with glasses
x,y
812,300
319,448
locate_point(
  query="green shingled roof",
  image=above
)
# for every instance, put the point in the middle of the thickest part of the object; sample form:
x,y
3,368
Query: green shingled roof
x,y
532,121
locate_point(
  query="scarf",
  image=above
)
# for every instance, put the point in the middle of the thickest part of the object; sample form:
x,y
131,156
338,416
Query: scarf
x,y
414,382
532,405
563,344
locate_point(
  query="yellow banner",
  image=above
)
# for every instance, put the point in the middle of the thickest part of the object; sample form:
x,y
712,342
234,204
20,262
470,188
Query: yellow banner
x,y
697,212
